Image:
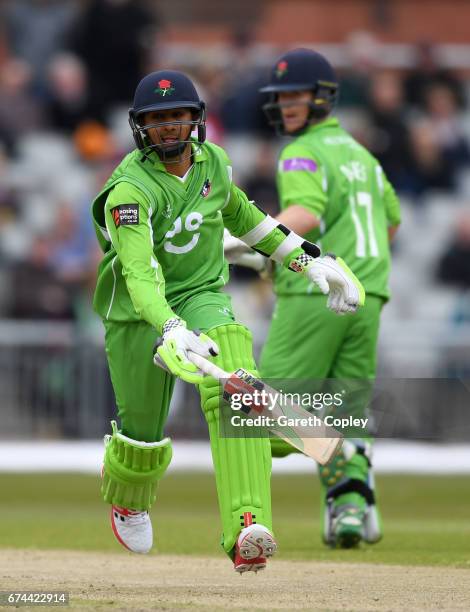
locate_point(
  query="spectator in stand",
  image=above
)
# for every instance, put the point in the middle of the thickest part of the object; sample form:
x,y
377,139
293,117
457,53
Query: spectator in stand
x,y
36,30
388,136
261,183
429,169
453,269
10,209
68,103
212,83
428,72
113,39
73,248
240,109
35,291
19,112
54,279
363,54
443,111
454,264
438,145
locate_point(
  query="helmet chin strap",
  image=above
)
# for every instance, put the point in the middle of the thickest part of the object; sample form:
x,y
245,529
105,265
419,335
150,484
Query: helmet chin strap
x,y
172,155
170,152
314,116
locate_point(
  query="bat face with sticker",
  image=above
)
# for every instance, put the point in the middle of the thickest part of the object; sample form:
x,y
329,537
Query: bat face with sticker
x,y
321,443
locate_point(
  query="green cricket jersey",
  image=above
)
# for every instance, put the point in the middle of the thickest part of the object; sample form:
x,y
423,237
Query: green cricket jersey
x,y
330,174
162,236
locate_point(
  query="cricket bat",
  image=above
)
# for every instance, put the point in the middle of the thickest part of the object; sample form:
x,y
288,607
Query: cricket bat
x,y
320,443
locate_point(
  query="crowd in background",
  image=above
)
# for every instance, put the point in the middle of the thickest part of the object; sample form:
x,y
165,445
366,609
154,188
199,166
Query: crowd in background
x,y
67,76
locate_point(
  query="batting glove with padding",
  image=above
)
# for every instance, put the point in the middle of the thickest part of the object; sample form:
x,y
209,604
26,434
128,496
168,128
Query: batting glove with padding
x,y
172,350
335,279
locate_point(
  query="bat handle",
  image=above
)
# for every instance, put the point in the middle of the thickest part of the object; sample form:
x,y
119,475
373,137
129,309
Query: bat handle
x,y
207,366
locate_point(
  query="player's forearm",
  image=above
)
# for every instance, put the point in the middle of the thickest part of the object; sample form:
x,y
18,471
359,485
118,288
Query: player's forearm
x,y
262,232
143,275
148,298
297,218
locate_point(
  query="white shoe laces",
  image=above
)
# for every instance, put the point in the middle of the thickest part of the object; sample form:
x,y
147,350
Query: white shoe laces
x,y
135,518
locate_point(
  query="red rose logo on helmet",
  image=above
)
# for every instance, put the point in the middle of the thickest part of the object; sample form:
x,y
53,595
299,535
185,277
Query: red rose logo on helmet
x,y
164,87
281,69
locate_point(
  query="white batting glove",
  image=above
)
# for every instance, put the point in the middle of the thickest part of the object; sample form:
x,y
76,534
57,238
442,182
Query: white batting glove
x,y
172,350
335,279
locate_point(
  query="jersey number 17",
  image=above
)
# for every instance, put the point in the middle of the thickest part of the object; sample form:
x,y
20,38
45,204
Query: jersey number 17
x,y
365,233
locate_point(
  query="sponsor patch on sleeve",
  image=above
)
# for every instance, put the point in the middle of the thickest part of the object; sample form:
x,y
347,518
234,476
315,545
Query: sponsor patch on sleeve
x,y
298,164
125,214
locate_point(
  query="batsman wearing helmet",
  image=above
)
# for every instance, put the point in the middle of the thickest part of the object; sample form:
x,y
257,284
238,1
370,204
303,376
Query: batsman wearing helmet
x,y
334,193
160,220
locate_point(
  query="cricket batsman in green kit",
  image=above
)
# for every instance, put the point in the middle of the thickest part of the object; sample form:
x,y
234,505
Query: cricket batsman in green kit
x,y
160,220
334,193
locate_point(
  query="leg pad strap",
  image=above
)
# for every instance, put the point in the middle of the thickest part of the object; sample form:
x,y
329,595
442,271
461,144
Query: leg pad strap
x,y
352,485
132,470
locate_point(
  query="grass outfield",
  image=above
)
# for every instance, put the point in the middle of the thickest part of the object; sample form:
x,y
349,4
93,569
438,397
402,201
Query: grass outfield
x,y
426,518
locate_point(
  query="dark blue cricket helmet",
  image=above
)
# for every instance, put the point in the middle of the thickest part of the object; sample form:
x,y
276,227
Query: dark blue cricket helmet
x,y
301,70
165,90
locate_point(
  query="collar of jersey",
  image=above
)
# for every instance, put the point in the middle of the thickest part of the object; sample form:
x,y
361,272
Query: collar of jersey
x,y
327,123
199,156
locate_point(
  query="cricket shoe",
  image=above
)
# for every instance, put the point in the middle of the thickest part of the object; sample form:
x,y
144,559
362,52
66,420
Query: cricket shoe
x,y
254,545
133,529
350,513
347,527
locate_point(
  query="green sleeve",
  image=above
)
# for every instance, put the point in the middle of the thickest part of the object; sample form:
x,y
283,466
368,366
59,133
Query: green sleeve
x,y
260,231
392,204
301,180
133,243
240,215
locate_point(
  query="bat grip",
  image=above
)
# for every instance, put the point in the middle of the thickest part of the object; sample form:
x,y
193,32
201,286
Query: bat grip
x,y
207,366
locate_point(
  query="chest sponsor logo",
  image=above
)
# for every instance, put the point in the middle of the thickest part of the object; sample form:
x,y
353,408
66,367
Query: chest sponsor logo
x,y
206,188
125,214
189,226
299,164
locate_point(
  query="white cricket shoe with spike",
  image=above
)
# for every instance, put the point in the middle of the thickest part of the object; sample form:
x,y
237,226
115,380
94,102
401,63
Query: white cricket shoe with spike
x,y
254,545
133,529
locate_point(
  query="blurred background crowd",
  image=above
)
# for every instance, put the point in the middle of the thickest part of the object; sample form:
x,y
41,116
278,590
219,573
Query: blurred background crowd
x,y
68,70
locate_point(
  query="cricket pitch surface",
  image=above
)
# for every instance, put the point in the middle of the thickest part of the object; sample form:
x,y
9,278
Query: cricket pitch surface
x,y
104,581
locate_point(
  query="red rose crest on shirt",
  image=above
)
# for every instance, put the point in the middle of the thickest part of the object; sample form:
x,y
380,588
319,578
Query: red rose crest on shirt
x,y
164,87
206,188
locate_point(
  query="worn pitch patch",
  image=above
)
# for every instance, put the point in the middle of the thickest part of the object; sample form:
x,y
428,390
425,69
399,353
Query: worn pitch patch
x,y
176,582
